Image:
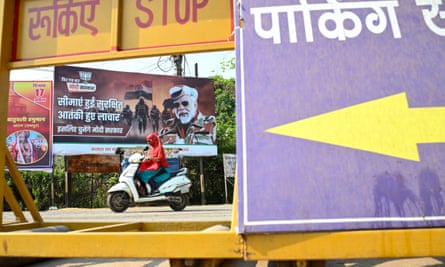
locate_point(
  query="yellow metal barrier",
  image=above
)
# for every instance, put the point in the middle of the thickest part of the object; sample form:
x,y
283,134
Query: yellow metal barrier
x,y
176,240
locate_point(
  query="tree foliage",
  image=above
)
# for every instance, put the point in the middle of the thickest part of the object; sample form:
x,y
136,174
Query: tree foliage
x,y
213,171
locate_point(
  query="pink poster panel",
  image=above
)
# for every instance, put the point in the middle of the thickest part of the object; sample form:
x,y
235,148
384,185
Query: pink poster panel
x,y
29,131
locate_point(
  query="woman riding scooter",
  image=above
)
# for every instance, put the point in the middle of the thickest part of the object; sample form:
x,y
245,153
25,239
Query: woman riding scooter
x,y
153,169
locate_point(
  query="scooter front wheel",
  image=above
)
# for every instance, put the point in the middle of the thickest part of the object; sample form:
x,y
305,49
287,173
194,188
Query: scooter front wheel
x,y
178,202
118,201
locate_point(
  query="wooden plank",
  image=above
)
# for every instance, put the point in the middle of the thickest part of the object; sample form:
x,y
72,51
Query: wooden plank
x,y
96,163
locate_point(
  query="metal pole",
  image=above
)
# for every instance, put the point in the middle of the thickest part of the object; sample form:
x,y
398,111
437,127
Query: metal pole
x,y
67,184
178,63
201,179
196,70
225,188
53,205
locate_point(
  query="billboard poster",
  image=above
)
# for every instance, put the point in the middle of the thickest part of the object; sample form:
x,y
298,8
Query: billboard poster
x,y
29,125
96,111
341,112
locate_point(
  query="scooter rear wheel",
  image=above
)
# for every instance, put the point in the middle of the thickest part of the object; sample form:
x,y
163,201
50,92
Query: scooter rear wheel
x,y
118,201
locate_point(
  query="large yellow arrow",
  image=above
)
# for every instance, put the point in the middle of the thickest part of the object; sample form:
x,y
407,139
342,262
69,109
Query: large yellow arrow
x,y
386,126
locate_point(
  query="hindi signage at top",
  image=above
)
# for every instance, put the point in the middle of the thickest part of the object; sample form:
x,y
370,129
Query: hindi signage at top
x,y
63,28
177,23
342,115
79,27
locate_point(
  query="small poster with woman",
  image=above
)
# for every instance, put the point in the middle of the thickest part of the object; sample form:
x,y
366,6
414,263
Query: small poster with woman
x,y
29,131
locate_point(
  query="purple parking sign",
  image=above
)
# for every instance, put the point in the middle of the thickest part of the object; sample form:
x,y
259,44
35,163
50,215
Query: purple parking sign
x,y
341,114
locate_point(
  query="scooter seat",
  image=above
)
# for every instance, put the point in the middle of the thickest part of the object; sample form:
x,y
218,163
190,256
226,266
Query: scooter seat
x,y
178,172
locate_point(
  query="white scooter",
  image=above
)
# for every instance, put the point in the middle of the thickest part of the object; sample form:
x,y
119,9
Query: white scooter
x,y
175,190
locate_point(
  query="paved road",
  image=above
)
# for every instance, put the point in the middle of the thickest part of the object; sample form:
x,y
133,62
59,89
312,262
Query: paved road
x,y
145,214
191,213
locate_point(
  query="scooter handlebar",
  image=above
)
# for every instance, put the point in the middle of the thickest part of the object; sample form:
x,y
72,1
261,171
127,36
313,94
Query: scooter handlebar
x,y
136,158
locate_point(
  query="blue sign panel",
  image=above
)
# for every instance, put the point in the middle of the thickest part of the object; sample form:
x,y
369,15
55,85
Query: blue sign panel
x,y
341,114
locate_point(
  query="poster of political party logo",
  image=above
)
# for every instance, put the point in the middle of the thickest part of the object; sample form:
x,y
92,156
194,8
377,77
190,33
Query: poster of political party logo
x,y
341,108
99,110
29,126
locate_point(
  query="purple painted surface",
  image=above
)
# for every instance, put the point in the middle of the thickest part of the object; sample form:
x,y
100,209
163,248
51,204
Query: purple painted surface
x,y
293,184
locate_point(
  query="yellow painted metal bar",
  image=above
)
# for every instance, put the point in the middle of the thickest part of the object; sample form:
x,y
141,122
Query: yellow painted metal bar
x,y
197,244
13,204
80,226
157,226
22,188
116,55
6,30
120,227
6,48
234,224
137,226
18,226
127,244
346,244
